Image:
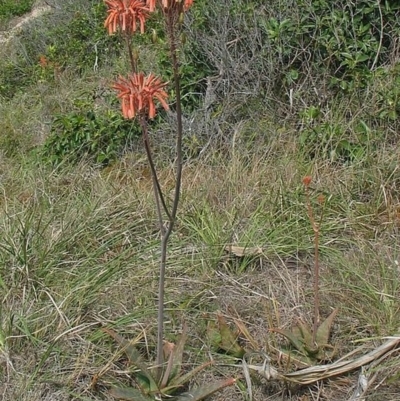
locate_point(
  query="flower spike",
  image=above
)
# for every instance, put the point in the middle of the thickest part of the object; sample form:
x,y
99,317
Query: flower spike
x,y
138,93
124,14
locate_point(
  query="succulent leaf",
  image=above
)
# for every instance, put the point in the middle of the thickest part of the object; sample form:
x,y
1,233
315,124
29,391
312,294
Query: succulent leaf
x,y
324,330
181,380
229,341
306,334
294,339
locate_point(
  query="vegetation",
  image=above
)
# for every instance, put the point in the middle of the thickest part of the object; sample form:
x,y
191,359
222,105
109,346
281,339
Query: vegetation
x,y
11,8
271,94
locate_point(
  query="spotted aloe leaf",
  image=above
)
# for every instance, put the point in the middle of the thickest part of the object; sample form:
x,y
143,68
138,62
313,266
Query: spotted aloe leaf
x,y
310,347
294,338
301,338
324,330
224,338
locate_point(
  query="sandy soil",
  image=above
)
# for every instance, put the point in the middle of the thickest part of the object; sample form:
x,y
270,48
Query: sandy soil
x,y
18,22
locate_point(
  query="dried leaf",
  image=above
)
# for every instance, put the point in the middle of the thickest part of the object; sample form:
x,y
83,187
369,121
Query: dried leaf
x,y
168,350
344,365
175,356
178,353
243,329
246,373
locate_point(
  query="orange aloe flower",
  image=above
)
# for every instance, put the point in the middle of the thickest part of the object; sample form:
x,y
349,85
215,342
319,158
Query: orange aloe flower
x,y
151,4
138,93
125,14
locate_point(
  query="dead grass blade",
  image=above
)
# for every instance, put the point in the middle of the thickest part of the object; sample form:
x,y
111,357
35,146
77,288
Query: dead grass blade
x,y
321,372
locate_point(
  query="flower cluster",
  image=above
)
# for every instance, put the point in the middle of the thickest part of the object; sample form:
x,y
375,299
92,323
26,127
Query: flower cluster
x,y
125,14
137,94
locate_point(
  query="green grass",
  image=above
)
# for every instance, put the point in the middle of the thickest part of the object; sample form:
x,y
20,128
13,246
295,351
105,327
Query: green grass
x,y
80,250
14,8
79,246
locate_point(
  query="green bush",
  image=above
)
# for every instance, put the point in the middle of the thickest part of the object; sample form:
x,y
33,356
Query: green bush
x,y
387,83
85,134
343,40
14,8
82,43
77,43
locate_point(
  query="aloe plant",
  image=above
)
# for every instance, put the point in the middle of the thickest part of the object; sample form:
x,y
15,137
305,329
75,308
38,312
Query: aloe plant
x,y
306,349
172,380
311,343
223,338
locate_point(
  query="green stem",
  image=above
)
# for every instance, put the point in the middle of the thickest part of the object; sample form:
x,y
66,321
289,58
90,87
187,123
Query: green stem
x,y
131,58
172,31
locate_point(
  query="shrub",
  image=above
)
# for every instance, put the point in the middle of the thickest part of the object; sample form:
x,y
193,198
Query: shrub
x,y
99,137
14,8
80,44
66,39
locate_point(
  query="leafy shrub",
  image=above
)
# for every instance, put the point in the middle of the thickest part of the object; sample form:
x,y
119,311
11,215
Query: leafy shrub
x,y
336,139
14,8
100,138
343,39
74,42
295,45
82,44
388,94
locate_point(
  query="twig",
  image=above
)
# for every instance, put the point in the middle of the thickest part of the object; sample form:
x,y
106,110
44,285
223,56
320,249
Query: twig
x,y
380,36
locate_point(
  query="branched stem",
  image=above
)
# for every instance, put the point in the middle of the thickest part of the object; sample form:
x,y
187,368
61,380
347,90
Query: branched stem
x,y
137,96
172,32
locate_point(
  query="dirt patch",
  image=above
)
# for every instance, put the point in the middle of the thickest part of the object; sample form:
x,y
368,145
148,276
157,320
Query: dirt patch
x,y
17,23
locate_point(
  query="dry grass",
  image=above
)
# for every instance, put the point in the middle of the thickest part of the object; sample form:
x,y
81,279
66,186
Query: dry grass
x,y
80,250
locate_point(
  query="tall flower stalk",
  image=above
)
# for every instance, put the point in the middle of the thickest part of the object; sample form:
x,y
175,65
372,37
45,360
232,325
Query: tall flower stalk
x,y
316,228
139,95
